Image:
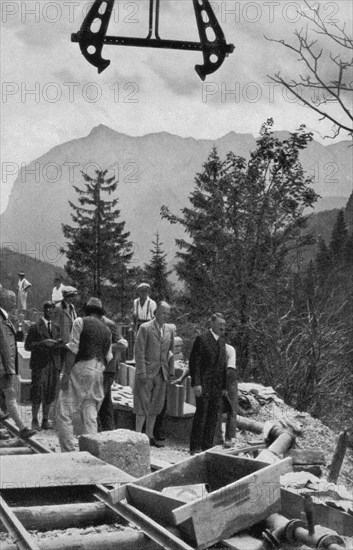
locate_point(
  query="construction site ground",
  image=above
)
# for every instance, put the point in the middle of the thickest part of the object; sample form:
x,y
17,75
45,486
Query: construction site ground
x,y
315,436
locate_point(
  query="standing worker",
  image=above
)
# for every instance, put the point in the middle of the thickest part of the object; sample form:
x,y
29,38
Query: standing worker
x,y
207,366
22,289
144,306
154,354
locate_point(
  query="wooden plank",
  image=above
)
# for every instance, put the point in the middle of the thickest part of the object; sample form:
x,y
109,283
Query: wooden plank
x,y
236,506
152,503
64,516
58,469
190,470
224,469
293,507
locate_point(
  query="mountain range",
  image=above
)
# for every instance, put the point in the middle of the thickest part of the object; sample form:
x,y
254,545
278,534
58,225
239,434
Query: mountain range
x,y
152,170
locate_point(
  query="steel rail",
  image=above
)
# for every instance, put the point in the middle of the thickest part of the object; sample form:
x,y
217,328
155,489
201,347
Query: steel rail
x,y
159,534
34,445
21,536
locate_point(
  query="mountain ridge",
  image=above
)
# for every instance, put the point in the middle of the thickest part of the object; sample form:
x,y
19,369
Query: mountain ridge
x,y
154,169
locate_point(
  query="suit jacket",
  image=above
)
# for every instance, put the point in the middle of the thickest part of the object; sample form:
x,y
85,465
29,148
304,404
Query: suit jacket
x,y
8,346
64,320
208,364
41,356
152,352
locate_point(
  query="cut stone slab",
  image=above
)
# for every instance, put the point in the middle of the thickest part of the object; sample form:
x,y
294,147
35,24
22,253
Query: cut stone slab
x,y
127,450
57,470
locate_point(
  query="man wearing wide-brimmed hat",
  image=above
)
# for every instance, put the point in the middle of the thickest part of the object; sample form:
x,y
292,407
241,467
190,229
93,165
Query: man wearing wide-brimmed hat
x,y
144,306
81,386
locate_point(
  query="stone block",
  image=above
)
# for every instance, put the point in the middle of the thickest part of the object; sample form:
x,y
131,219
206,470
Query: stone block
x,y
125,449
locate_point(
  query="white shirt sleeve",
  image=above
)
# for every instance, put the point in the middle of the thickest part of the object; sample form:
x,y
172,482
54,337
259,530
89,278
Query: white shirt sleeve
x,y
231,357
75,335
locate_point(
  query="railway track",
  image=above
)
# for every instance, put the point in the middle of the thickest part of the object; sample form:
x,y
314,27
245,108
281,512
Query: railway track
x,y
48,508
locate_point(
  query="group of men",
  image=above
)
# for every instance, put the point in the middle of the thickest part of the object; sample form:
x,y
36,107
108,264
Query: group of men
x,y
74,361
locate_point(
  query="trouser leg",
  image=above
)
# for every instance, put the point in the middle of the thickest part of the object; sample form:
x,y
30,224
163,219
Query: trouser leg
x,y
213,407
11,404
158,426
45,410
106,411
232,388
63,425
218,436
35,411
150,421
197,425
140,420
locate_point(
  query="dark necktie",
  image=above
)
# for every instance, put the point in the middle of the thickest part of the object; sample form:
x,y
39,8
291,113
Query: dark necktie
x,y
49,329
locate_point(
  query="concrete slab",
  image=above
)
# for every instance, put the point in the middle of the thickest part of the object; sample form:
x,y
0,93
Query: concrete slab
x,y
57,470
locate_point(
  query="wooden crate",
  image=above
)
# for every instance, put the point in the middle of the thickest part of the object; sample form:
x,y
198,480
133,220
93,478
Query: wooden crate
x,y
242,492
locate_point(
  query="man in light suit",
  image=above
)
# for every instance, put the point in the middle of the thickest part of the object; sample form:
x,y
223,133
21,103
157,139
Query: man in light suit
x,y
208,372
65,313
154,361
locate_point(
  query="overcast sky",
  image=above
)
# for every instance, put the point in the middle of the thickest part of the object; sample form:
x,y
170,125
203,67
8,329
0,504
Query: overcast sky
x,y
51,94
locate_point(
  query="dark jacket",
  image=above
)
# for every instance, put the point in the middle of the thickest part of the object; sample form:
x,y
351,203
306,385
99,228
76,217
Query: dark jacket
x,y
41,356
8,346
208,364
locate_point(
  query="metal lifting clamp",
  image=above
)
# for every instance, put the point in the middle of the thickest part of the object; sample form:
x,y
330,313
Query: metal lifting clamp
x,y
93,35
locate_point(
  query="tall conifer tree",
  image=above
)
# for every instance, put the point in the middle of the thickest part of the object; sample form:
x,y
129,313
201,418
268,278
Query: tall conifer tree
x,y
157,273
98,250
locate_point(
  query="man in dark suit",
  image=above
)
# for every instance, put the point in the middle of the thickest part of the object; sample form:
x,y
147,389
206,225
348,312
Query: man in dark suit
x,y
207,366
154,360
9,364
44,344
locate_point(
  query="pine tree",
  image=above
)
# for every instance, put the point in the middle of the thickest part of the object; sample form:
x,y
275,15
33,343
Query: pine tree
x,y
243,224
157,273
339,238
98,250
323,260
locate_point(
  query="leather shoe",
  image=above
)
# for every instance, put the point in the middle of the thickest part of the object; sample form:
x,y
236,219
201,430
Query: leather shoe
x,y
155,443
46,425
35,425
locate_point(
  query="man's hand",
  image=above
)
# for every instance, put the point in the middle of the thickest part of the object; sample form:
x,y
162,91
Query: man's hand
x,y
64,381
49,342
198,391
178,381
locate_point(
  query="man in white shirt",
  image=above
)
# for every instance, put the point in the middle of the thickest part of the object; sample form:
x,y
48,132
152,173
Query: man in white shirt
x,y
22,289
81,387
144,306
57,293
232,391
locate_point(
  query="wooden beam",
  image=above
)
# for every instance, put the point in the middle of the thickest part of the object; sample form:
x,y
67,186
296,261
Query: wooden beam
x,y
16,451
120,540
338,457
64,516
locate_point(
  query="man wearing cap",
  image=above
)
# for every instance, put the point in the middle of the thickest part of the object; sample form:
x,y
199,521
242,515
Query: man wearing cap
x,y
81,386
22,289
144,306
43,342
154,362
65,313
9,363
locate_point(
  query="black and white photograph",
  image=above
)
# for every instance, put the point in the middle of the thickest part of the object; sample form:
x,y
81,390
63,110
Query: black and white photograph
x,y
176,275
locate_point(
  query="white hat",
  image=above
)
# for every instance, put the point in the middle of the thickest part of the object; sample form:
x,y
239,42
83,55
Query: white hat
x,y
69,291
143,285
